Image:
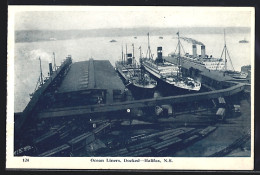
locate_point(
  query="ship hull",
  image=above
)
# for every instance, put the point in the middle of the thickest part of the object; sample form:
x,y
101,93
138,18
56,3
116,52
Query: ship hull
x,y
138,91
237,75
169,89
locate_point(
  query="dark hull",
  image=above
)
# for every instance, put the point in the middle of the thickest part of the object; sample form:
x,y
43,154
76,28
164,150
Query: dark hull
x,y
169,90
137,91
141,93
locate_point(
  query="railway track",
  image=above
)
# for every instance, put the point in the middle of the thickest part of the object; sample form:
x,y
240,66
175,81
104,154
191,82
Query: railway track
x,y
236,144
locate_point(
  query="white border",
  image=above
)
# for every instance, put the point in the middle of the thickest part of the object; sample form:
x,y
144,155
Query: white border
x,y
201,163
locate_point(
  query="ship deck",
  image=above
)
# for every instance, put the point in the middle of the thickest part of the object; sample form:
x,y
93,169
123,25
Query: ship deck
x,y
212,74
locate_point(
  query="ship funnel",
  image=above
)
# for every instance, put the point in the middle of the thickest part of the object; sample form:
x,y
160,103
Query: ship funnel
x,y
129,58
50,69
203,51
159,58
194,50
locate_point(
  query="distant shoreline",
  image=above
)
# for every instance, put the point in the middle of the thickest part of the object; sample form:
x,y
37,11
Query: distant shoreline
x,y
52,35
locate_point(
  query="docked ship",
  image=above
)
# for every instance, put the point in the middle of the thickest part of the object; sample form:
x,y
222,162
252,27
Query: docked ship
x,y
212,63
208,61
168,72
133,75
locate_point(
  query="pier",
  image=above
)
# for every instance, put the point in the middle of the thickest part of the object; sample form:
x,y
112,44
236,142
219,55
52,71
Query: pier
x,y
82,110
83,97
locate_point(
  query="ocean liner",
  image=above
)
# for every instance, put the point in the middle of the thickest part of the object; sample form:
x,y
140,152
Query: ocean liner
x,y
210,62
168,72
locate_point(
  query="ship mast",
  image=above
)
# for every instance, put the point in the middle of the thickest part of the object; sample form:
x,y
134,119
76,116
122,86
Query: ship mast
x,y
122,55
141,68
133,54
55,68
225,48
126,53
149,49
41,78
179,55
140,52
226,53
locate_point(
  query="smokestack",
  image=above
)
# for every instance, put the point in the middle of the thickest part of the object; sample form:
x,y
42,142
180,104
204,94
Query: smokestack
x,y
194,50
129,58
203,51
159,55
50,69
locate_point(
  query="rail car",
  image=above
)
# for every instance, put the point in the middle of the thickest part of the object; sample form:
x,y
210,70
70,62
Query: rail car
x,y
221,102
139,153
142,145
81,141
121,152
191,139
46,141
157,134
171,135
220,114
161,147
61,151
102,129
207,130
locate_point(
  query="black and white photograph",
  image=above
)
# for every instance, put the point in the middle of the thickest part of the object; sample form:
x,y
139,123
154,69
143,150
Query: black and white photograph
x,y
130,87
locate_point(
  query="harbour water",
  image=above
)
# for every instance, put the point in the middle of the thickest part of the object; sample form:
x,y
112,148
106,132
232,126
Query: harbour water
x,y
27,54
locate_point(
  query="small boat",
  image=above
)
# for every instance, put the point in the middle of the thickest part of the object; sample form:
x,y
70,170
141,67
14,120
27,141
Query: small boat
x,y
243,41
112,41
53,39
236,74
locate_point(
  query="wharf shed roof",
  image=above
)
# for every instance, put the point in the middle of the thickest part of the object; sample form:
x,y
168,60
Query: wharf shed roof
x,y
91,74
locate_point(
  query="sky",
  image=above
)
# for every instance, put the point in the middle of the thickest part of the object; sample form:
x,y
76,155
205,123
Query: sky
x,y
66,18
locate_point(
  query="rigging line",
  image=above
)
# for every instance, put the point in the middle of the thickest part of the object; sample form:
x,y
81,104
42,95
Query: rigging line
x,y
175,49
220,57
128,70
36,87
182,48
230,60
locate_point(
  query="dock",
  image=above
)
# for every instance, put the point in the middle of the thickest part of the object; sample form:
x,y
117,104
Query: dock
x,y
86,79
82,110
68,106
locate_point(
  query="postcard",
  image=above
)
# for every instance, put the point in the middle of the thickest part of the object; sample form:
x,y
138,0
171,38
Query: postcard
x,y
130,87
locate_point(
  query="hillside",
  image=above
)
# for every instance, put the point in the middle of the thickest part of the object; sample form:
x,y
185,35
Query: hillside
x,y
45,35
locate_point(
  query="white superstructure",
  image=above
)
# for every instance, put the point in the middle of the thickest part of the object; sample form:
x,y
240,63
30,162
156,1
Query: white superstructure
x,y
214,64
168,72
